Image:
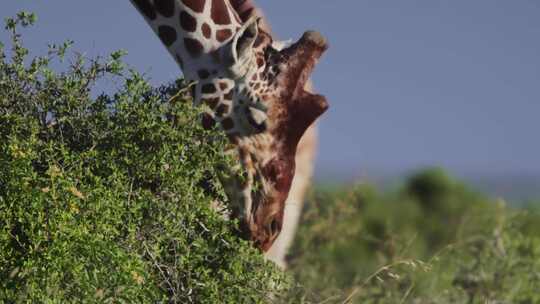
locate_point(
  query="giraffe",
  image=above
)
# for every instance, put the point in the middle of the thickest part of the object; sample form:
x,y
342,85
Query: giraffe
x,y
250,90
305,157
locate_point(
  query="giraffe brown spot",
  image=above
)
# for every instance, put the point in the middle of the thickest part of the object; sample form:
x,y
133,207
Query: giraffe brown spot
x,y
246,14
208,121
223,86
165,7
167,34
220,13
223,35
196,5
203,74
188,22
211,102
206,30
222,110
208,88
227,123
260,62
146,8
237,4
260,39
194,47
254,77
257,86
229,95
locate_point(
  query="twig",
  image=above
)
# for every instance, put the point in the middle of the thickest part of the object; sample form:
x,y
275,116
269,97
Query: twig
x,y
182,91
160,271
369,278
406,295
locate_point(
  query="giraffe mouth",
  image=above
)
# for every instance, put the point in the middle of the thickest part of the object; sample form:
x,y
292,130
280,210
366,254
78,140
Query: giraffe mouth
x,y
300,59
302,108
264,233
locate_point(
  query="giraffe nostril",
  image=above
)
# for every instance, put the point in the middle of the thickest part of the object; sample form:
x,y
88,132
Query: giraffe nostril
x,y
274,227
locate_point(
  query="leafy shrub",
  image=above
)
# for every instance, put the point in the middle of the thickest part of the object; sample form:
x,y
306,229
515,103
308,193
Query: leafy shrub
x,y
100,196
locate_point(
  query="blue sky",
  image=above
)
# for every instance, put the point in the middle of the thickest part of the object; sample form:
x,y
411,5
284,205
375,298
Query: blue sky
x,y
410,83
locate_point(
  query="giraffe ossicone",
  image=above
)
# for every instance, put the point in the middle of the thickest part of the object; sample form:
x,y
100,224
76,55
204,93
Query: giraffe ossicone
x,y
253,92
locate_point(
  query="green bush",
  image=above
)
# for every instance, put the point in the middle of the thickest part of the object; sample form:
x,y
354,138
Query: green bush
x,y
100,194
433,241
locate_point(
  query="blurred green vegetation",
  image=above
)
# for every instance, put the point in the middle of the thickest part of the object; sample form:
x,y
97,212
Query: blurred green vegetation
x,y
434,240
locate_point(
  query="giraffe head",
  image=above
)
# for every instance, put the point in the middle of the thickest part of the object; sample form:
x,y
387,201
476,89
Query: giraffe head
x,y
251,90
278,111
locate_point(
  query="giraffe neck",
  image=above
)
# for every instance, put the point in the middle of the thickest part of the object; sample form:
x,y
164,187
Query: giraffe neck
x,y
193,31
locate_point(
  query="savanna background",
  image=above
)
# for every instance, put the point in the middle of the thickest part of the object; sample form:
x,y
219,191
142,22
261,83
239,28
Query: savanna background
x,y
427,185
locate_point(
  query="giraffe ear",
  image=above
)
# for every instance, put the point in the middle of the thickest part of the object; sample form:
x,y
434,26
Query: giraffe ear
x,y
239,52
